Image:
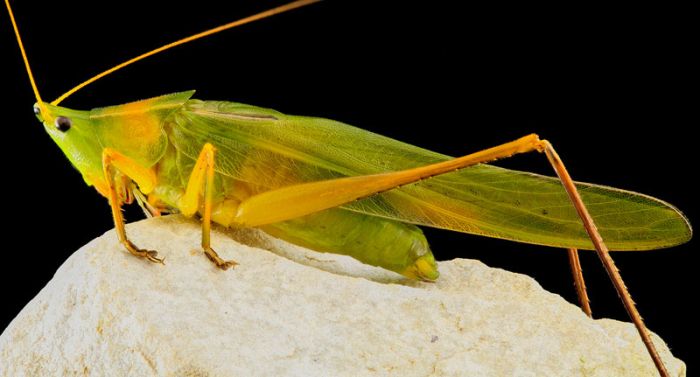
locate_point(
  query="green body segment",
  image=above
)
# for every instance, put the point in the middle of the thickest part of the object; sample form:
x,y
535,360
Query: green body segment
x,y
259,149
372,240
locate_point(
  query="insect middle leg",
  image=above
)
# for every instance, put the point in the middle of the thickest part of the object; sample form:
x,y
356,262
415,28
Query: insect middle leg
x,y
302,199
114,162
202,177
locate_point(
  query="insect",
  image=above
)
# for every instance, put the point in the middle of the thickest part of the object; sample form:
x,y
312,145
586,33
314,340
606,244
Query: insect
x,y
335,188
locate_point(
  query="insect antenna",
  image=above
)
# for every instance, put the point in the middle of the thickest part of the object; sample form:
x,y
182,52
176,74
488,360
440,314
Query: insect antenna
x,y
39,102
206,33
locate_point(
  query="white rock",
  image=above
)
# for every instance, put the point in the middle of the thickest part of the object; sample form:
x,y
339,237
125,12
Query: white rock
x,y
106,313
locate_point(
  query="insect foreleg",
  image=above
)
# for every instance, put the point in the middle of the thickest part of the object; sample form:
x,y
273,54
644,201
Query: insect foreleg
x,y
112,163
202,176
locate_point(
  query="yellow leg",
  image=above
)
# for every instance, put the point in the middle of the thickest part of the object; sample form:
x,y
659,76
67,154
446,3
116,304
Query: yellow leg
x,y
202,176
114,162
303,199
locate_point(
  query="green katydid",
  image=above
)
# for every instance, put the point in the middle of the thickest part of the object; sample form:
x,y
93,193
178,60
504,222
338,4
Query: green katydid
x,y
239,165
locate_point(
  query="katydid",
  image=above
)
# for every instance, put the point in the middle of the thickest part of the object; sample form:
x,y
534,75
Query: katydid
x,y
335,188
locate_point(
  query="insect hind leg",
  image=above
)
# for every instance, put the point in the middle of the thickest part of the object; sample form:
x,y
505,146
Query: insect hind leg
x,y
298,200
579,283
602,251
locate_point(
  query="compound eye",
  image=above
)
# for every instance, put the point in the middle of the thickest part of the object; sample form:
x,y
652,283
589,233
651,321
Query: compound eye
x,y
37,110
63,124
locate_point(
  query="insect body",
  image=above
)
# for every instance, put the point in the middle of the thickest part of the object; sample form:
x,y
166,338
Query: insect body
x,y
260,150
336,188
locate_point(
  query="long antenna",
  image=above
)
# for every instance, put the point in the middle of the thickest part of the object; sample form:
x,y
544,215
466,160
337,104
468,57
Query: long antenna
x,y
249,19
40,103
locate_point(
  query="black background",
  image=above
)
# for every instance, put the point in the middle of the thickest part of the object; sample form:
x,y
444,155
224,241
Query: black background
x,y
610,87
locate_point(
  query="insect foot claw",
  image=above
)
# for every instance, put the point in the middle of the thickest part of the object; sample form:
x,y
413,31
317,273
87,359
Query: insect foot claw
x,y
227,264
151,255
214,257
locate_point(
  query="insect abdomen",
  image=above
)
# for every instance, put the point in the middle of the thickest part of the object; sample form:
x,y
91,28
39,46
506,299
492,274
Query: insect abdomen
x,y
372,240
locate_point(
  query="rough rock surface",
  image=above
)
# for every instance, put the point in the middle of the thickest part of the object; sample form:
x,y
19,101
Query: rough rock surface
x,y
292,312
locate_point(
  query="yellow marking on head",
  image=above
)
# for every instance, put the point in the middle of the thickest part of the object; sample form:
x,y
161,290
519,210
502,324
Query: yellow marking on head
x,y
40,103
249,19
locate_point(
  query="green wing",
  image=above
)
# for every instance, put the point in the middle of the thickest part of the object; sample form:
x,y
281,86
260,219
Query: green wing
x,y
268,149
